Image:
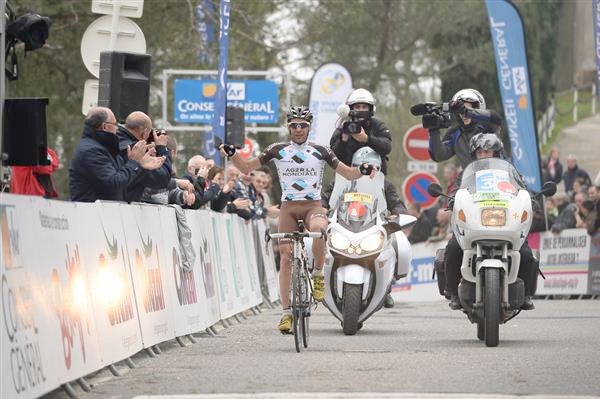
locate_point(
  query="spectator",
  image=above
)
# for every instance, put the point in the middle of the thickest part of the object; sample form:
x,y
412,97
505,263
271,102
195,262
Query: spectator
x,y
96,171
586,216
36,180
194,165
573,171
566,218
442,230
138,126
552,169
216,176
578,187
178,191
422,228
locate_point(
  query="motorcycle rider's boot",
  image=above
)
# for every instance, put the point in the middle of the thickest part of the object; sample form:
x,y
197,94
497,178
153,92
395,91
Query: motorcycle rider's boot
x,y
285,324
528,303
318,287
388,301
454,302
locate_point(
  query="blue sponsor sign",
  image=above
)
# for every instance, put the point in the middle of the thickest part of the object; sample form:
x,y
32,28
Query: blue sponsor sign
x,y
515,88
195,100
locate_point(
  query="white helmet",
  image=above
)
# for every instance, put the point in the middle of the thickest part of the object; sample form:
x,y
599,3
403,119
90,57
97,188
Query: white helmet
x,y
471,96
361,96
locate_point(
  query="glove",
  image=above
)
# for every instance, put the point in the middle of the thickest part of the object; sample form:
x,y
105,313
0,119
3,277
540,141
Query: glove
x,y
457,107
365,169
229,149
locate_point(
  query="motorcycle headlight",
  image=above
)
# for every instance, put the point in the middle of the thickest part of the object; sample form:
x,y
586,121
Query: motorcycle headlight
x,y
372,242
339,241
493,217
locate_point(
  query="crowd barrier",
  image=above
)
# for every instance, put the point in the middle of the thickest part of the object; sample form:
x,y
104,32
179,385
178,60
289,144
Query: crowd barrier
x,y
85,285
569,261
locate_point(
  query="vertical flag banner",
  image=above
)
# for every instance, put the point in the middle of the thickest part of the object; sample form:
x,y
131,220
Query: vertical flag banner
x,y
515,88
330,86
596,15
218,123
206,30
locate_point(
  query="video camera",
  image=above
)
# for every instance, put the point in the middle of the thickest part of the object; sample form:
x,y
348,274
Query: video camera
x,y
435,115
355,123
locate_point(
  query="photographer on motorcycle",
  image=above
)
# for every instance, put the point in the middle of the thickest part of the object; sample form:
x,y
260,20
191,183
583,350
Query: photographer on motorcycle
x,y
362,130
469,118
481,146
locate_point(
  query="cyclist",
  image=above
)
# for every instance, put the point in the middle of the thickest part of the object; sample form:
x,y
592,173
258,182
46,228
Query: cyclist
x,y
300,166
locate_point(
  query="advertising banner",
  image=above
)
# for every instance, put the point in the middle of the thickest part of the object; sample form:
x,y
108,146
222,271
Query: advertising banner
x,y
189,306
564,260
218,121
195,100
146,253
267,259
419,285
202,239
246,236
330,86
515,87
104,254
594,271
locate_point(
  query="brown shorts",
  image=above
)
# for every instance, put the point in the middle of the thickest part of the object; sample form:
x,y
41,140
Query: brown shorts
x,y
292,211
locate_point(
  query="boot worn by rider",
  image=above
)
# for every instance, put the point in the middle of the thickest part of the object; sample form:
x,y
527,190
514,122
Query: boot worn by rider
x,y
454,302
528,303
285,324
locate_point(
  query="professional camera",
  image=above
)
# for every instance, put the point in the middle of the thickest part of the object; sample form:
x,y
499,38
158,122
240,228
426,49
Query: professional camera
x,y
435,116
356,121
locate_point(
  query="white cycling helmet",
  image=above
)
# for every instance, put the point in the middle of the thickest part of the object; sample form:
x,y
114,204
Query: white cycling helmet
x,y
361,96
471,96
366,155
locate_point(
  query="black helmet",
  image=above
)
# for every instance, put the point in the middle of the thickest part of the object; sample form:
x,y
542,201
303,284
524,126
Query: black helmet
x,y
301,112
486,141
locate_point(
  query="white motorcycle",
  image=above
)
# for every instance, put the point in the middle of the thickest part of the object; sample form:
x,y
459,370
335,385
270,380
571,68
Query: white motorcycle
x,y
365,250
491,218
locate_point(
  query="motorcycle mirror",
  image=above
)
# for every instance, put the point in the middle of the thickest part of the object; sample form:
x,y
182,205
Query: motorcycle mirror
x,y
548,189
405,220
435,190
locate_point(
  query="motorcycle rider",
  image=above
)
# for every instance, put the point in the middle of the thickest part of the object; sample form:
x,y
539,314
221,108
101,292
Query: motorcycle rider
x,y
482,146
373,132
300,166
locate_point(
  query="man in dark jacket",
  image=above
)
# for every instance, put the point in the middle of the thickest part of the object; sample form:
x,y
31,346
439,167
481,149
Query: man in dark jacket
x,y
373,132
138,126
573,171
96,170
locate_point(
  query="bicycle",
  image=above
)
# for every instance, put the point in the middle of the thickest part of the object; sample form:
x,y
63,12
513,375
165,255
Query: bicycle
x,y
301,297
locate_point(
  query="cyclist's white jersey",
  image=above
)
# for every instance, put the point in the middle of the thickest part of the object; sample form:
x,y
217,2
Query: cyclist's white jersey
x,y
300,168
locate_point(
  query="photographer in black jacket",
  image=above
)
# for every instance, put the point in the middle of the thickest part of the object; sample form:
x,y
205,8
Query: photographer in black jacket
x,y
360,129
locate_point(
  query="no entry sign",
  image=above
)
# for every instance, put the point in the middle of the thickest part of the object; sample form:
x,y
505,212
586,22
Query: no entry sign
x,y
416,143
415,189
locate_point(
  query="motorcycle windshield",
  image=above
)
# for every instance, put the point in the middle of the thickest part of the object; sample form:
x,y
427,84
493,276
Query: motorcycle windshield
x,y
491,179
358,202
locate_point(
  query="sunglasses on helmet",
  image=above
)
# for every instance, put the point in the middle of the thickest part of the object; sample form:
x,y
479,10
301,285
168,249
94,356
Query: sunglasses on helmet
x,y
298,125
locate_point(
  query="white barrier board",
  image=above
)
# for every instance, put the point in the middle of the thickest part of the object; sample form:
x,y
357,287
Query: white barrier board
x,y
266,250
228,289
104,253
564,261
419,285
145,251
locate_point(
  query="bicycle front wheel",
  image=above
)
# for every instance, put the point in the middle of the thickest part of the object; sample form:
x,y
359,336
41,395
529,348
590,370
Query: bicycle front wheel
x,y
297,309
305,312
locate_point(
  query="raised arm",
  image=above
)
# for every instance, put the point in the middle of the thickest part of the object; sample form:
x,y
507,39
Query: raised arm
x,y
244,165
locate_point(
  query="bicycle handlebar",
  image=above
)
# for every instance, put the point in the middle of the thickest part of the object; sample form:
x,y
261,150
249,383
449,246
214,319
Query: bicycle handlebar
x,y
297,235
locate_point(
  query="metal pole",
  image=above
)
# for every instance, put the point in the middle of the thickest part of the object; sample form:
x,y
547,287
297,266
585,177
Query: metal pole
x,y
575,97
593,98
164,99
115,24
3,77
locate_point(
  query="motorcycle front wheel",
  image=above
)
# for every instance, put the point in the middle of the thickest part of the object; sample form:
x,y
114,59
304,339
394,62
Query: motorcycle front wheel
x,y
351,299
492,307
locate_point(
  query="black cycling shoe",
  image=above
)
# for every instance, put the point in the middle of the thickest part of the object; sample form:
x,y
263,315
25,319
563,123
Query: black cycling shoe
x,y
454,302
388,302
528,304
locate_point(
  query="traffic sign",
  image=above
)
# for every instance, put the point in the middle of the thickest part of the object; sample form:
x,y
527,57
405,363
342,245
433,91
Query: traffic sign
x,y
246,150
416,166
416,143
415,187
127,8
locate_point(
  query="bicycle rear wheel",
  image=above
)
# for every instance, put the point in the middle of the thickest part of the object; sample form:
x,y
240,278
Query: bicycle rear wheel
x,y
297,310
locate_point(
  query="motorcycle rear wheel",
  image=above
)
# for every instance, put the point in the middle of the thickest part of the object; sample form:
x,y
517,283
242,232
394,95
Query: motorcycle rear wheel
x,y
492,307
351,300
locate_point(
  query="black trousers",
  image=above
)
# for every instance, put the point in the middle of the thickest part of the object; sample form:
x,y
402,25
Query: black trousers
x,y
528,269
